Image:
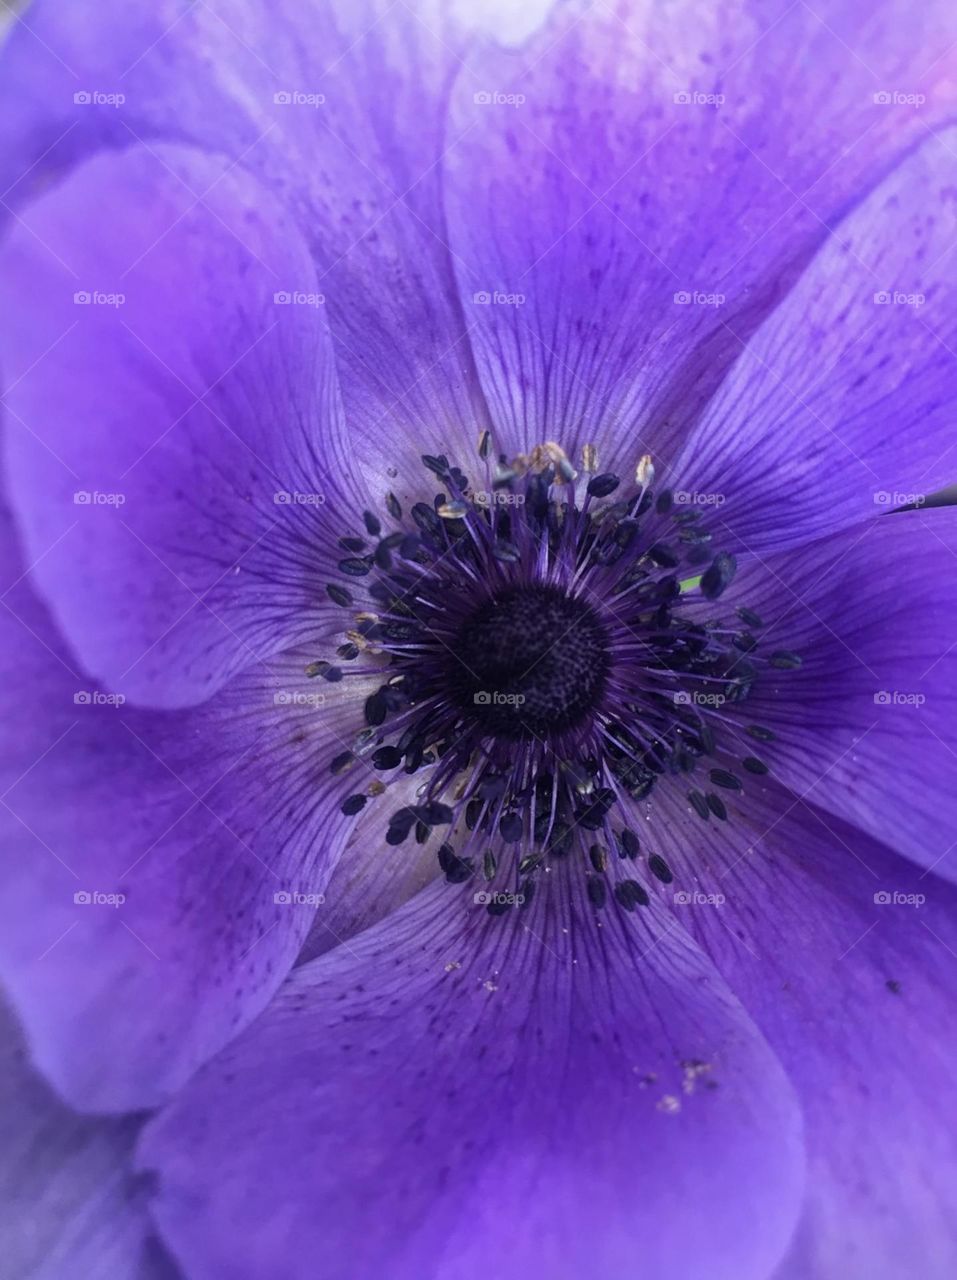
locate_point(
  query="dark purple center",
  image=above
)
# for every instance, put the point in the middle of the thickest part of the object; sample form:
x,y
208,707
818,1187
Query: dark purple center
x,y
530,662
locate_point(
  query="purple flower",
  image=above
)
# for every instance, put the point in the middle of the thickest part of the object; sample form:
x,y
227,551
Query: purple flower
x,y
479,747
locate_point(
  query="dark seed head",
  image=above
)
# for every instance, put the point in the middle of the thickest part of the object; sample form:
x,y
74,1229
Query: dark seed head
x,y
750,618
376,708
724,778
664,556
387,758
785,660
354,567
718,577
717,806
599,857
434,813
630,894
629,842
700,804
601,486
597,892
510,827
427,521
660,869
762,735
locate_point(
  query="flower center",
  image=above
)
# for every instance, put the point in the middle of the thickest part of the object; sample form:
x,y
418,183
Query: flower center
x,y
532,661
542,649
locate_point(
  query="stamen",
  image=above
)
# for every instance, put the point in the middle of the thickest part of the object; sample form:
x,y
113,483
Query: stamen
x,y
545,659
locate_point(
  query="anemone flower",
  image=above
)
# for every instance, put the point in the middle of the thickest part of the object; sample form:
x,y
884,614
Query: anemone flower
x,y
479,730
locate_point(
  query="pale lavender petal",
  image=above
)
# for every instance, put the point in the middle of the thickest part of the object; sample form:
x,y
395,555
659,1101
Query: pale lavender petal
x,y
460,1095
161,870
173,435
844,954
842,404
866,727
633,192
71,1203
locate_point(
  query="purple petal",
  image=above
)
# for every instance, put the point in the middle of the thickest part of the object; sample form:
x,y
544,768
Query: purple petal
x,y
161,869
283,90
456,1094
372,878
843,954
842,404
164,416
632,193
866,727
70,1203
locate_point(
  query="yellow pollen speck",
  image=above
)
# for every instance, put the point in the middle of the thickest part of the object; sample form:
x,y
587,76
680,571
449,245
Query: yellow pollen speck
x,y
452,965
549,454
669,1104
